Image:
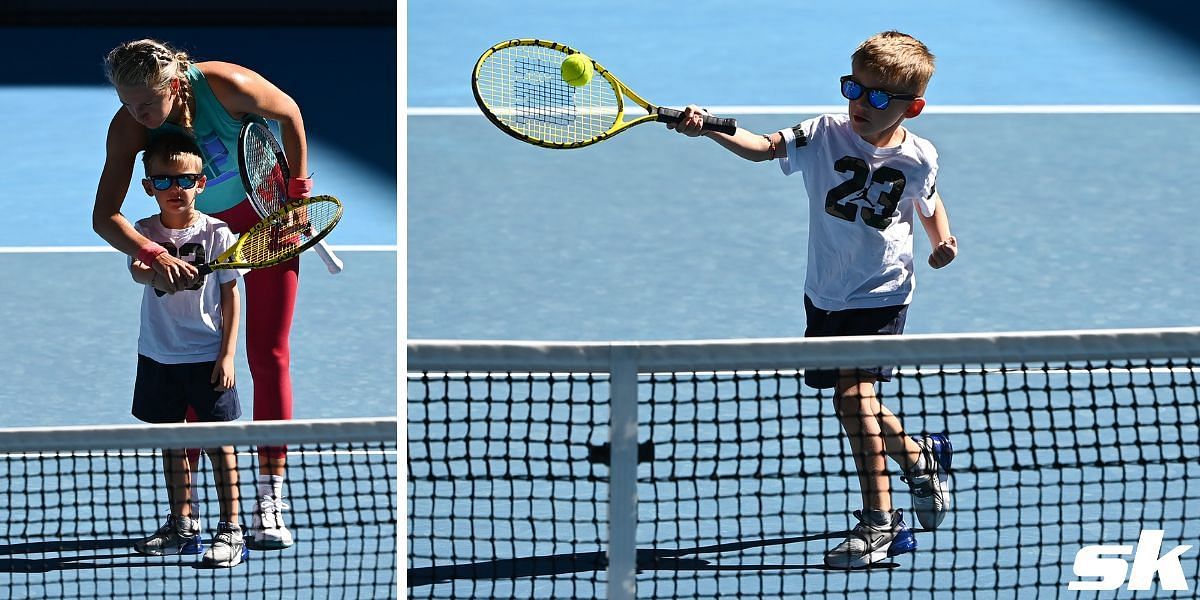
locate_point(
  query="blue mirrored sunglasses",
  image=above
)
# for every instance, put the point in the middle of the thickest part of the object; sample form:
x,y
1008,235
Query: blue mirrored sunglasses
x,y
163,183
878,99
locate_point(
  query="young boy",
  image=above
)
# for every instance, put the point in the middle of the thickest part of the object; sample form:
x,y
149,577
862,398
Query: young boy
x,y
865,176
186,347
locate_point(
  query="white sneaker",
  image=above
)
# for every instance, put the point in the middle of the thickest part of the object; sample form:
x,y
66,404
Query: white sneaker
x,y
931,490
179,535
228,547
267,530
869,543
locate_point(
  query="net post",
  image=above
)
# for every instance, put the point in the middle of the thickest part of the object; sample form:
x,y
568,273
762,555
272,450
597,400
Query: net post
x,y
622,473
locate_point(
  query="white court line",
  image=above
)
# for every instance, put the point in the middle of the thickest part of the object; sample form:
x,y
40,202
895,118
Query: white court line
x,y
998,109
90,249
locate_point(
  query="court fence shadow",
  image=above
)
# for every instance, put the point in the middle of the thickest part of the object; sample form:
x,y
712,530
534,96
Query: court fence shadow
x,y
648,559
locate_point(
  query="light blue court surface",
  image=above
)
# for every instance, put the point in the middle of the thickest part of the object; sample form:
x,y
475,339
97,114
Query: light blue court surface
x,y
1065,221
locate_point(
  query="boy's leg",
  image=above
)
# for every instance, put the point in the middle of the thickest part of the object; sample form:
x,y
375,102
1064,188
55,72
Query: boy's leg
x,y
225,473
898,446
858,411
880,532
177,471
181,533
228,547
877,432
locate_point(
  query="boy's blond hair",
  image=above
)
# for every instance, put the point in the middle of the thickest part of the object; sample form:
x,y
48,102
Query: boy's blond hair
x,y
899,58
170,147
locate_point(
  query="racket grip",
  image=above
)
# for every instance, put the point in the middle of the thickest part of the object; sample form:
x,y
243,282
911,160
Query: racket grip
x,y
711,123
332,262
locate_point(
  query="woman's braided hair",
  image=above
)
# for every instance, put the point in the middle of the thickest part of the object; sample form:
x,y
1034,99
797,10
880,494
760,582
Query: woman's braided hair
x,y
153,64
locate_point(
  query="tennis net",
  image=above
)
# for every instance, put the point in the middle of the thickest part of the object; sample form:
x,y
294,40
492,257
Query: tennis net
x,y
74,500
709,469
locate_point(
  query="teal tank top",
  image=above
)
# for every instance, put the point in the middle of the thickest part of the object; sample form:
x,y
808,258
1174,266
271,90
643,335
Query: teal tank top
x,y
216,132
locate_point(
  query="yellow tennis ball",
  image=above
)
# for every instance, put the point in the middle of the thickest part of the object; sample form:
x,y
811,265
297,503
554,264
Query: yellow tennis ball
x,y
577,70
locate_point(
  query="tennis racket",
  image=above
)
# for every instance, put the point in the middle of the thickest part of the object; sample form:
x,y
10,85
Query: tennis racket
x,y
519,86
294,228
265,175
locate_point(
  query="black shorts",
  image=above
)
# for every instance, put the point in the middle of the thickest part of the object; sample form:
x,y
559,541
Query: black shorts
x,y
162,393
885,320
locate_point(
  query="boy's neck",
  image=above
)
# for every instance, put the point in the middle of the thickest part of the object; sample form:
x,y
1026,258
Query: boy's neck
x,y
178,221
888,138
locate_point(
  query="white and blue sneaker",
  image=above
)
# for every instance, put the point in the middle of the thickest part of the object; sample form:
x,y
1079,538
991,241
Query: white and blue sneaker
x,y
179,535
228,547
931,489
869,543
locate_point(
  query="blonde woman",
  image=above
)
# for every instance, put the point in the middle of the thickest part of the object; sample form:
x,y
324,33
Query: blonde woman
x,y
162,90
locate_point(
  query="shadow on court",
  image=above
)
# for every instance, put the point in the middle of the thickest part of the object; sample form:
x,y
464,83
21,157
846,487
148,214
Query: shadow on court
x,y
652,559
94,549
1179,20
343,78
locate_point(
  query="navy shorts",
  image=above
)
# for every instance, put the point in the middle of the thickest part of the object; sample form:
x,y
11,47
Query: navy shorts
x,y
885,320
162,393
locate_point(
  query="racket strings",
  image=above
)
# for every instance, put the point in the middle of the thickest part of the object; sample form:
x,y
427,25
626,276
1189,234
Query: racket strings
x,y
265,174
290,232
522,86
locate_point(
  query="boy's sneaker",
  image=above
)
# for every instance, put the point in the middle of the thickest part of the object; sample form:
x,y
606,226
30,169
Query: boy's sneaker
x,y
228,547
179,535
869,543
267,530
931,490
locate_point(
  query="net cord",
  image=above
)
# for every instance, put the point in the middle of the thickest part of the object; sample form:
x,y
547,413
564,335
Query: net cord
x,y
198,435
794,353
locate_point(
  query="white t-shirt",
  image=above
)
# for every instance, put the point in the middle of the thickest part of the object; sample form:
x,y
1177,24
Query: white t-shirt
x,y
861,201
185,327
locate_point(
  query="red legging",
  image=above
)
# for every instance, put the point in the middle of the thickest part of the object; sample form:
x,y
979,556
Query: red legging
x,y
270,301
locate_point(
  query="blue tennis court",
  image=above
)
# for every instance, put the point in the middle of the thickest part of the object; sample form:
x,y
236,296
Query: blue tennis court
x,y
1065,136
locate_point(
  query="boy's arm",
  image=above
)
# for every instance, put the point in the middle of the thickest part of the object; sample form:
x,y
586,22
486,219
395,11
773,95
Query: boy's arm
x,y
223,372
744,143
937,227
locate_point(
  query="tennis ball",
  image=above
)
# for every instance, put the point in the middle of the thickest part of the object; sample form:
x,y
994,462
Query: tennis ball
x,y
577,70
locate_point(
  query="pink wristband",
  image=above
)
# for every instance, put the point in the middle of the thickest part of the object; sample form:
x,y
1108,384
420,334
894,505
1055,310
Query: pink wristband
x,y
147,253
299,187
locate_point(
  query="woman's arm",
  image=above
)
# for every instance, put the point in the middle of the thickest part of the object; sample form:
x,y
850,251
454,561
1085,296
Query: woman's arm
x,y
125,139
242,91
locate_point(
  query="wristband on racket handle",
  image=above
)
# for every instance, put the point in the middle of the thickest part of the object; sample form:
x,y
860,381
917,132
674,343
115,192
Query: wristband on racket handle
x,y
149,252
299,187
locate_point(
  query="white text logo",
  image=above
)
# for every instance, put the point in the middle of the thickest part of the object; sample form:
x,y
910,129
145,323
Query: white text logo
x,y
1111,572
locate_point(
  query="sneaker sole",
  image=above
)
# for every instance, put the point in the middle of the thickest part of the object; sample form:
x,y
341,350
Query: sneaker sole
x,y
267,544
237,560
903,543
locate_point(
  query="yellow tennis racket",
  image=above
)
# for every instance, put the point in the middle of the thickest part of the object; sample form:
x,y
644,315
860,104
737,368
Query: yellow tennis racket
x,y
519,86
294,228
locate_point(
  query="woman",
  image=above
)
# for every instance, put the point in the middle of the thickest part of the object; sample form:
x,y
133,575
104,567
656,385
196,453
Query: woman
x,y
161,90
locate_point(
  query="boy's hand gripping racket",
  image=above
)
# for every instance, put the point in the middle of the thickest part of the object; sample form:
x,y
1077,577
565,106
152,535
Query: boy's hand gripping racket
x,y
294,228
519,86
265,176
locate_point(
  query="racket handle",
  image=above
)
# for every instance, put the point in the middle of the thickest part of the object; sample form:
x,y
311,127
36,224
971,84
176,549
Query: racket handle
x,y
332,262
711,123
